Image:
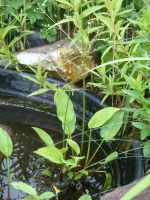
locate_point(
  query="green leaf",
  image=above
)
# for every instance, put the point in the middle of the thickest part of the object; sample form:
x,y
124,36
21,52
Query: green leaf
x,y
107,21
138,188
69,127
117,6
46,172
140,125
46,195
44,136
6,146
31,79
108,181
65,2
74,146
145,133
85,197
102,116
111,157
146,149
40,91
91,10
51,153
24,188
111,127
16,3
65,110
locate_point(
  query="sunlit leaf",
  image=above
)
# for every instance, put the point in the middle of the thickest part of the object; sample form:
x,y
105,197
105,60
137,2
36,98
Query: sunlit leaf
x,y
101,117
91,10
111,157
6,146
37,92
112,127
65,110
44,136
46,195
74,146
85,197
51,153
24,188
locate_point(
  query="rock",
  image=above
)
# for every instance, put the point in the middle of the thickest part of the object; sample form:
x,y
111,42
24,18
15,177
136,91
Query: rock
x,y
63,59
119,192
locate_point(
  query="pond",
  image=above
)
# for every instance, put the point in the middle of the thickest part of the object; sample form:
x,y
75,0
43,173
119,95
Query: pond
x,y
28,167
21,112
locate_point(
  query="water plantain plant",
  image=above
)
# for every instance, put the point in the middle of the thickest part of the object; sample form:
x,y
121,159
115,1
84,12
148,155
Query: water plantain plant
x,y
70,156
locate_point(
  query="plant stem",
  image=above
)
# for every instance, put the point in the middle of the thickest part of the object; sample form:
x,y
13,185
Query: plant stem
x,y
95,152
8,176
83,117
89,148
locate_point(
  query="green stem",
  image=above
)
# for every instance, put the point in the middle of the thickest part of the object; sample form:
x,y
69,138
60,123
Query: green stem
x,y
83,117
89,148
95,152
8,176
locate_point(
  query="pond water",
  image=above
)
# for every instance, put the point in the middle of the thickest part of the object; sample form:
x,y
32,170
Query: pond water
x,y
28,167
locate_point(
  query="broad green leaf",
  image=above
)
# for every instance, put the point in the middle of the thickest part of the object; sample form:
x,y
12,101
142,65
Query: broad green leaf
x,y
44,136
51,153
73,161
145,133
24,188
108,181
69,127
141,125
111,157
146,149
102,116
74,146
138,188
145,129
91,10
46,195
40,91
85,197
65,110
6,146
112,127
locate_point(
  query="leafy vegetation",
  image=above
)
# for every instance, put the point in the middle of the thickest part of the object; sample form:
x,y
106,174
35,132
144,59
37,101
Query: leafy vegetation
x,y
118,33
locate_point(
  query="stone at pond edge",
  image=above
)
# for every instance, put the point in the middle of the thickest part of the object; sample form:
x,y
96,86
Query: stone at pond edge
x,y
119,192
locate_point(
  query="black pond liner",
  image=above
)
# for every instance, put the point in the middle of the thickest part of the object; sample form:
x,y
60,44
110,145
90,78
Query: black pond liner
x,y
40,111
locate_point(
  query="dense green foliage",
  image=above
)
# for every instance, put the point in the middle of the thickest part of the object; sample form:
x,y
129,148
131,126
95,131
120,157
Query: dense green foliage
x,y
119,33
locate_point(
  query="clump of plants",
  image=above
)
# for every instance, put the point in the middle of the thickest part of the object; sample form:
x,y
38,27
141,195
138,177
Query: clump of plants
x,y
119,33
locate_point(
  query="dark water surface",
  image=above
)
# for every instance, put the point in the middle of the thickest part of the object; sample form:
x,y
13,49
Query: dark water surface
x,y
26,166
